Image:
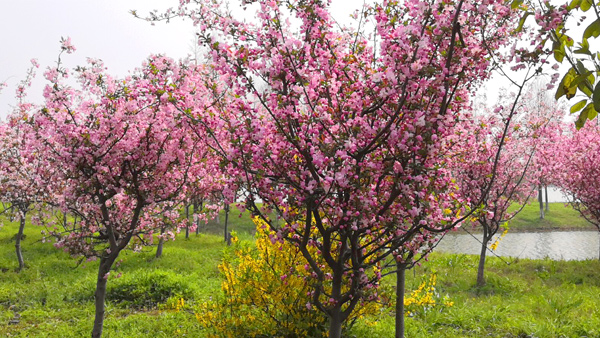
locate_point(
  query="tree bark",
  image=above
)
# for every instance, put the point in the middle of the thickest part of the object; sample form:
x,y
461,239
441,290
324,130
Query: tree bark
x,y
196,211
481,267
541,201
400,290
336,316
546,192
161,242
335,324
100,294
226,234
187,218
18,241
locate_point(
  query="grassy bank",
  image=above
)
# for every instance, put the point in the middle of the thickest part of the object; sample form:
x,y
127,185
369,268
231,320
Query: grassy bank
x,y
54,298
558,217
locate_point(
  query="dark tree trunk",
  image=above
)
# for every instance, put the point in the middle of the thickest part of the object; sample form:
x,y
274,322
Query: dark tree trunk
x,y
546,192
196,211
100,294
481,267
335,324
400,290
187,218
541,201
18,241
226,231
336,317
161,242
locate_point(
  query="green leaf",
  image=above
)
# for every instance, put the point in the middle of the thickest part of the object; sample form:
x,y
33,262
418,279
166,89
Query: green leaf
x,y
586,86
592,30
578,106
569,78
596,97
584,47
585,5
583,116
559,54
574,4
515,4
564,86
560,91
522,21
592,114
582,77
580,67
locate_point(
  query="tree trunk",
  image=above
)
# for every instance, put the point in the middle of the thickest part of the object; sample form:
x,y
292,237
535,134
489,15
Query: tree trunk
x,y
187,224
161,242
226,223
546,192
400,290
335,316
100,294
18,241
541,201
335,324
196,211
480,268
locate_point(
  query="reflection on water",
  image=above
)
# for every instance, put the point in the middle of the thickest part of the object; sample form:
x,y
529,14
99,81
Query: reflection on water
x,y
557,245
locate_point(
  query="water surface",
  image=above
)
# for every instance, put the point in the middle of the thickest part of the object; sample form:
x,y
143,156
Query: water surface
x,y
557,245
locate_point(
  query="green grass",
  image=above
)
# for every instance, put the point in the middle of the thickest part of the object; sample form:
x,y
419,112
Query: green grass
x,y
53,297
558,217
529,298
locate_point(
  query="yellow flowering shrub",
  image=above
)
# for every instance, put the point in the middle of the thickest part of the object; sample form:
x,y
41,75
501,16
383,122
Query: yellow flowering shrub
x,y
266,294
425,298
494,245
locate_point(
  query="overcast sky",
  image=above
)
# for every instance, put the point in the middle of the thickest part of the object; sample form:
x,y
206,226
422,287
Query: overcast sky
x,y
99,29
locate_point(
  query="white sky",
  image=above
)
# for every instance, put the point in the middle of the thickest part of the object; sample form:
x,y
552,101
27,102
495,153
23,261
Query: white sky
x,y
101,29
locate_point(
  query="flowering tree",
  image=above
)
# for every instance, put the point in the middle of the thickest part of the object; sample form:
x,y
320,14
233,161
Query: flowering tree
x,y
577,159
341,141
21,184
478,145
123,153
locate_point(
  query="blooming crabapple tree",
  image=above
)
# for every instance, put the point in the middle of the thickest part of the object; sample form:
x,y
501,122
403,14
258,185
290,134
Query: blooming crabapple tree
x,y
20,182
546,115
343,142
577,159
492,168
123,152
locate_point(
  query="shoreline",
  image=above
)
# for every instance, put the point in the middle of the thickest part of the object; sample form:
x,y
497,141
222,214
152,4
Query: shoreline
x,y
526,230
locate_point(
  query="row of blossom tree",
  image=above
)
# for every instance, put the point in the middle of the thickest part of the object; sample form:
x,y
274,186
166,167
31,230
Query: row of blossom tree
x,y
366,154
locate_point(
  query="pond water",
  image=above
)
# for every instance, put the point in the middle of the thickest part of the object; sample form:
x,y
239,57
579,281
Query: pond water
x,y
557,245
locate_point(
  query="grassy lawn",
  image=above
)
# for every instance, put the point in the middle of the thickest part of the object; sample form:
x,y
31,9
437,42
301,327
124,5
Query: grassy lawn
x,y
558,217
53,297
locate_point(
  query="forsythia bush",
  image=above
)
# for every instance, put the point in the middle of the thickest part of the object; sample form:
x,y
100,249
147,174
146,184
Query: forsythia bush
x,y
425,298
266,294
